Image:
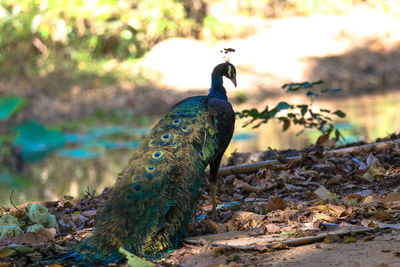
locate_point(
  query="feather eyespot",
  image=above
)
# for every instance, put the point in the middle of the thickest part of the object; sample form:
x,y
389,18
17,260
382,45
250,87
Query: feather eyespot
x,y
185,129
177,122
138,187
166,139
150,169
202,155
157,155
151,143
136,178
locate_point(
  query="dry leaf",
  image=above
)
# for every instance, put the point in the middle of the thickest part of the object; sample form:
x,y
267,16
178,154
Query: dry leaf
x,y
43,236
324,193
246,215
369,238
248,188
272,228
275,203
372,161
89,213
351,239
324,217
382,216
393,197
216,227
331,239
338,210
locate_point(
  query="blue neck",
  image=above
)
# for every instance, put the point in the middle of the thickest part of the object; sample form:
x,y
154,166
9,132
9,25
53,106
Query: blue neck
x,y
217,89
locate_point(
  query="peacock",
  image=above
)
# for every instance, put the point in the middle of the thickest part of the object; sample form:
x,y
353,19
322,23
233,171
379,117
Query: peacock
x,y
154,198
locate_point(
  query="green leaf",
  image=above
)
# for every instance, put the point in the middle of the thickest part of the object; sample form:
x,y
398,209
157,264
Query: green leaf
x,y
303,109
286,123
134,260
282,106
10,104
339,113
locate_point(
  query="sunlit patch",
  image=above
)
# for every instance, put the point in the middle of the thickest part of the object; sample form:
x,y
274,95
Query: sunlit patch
x,y
185,129
229,71
150,169
165,139
202,155
157,155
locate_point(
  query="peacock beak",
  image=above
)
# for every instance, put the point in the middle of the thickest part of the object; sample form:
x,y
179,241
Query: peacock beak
x,y
234,81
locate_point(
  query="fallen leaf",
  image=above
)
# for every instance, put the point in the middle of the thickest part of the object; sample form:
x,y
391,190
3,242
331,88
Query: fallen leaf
x,y
43,236
324,193
89,213
372,161
324,217
246,215
382,216
248,188
7,253
275,203
393,197
280,246
338,210
396,253
369,238
351,239
134,260
216,227
331,239
272,228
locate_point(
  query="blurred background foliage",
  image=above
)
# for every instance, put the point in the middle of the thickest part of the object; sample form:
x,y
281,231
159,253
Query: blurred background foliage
x,y
71,91
37,37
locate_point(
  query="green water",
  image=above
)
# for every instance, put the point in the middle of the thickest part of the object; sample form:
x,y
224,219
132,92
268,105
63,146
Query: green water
x,y
368,117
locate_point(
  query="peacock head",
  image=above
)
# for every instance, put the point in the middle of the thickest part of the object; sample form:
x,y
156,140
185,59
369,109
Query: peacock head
x,y
226,69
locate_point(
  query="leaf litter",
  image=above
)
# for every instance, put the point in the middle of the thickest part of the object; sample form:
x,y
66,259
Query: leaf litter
x,y
314,197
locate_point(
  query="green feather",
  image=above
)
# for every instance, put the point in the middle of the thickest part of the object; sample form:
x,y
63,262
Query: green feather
x,y
154,198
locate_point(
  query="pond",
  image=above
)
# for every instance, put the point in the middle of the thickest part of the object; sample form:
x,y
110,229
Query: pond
x,y
90,161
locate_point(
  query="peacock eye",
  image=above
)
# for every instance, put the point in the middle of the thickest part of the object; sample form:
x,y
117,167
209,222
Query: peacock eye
x,y
177,121
185,129
157,155
150,169
166,139
202,155
138,187
151,143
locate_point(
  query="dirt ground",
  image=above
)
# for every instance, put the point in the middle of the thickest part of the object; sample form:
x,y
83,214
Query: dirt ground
x,y
315,207
378,252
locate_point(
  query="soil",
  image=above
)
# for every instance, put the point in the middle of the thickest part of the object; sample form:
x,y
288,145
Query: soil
x,y
317,210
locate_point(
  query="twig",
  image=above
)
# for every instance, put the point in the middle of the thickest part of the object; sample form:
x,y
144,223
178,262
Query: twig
x,y
292,242
248,168
12,192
